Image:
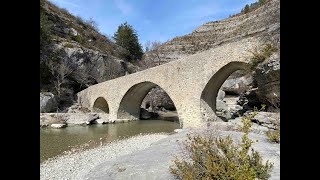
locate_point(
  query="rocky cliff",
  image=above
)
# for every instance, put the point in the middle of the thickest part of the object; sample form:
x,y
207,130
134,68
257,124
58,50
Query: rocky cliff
x,y
76,55
262,20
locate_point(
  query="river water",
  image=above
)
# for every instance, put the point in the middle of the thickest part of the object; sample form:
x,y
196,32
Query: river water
x,y
55,142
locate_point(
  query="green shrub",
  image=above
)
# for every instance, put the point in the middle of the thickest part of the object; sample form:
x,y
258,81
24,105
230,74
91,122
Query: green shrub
x,y
259,56
68,45
211,157
77,38
274,136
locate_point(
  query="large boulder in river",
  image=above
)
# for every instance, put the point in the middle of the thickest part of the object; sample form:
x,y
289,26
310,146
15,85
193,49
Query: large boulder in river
x,y
47,102
237,85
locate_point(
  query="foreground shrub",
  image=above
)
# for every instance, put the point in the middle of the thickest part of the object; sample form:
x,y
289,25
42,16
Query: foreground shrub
x,y
208,157
274,136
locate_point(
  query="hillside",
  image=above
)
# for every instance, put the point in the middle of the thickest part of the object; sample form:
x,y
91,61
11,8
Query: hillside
x,y
75,55
264,21
260,21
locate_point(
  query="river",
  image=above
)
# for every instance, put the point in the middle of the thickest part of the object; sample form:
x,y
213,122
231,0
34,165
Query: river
x,y
55,142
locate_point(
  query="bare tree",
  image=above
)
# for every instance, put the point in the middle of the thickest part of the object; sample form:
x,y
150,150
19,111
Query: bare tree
x,y
93,24
59,71
150,46
153,54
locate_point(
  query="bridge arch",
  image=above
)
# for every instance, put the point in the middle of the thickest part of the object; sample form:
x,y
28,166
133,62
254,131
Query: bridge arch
x,y
210,92
129,107
101,105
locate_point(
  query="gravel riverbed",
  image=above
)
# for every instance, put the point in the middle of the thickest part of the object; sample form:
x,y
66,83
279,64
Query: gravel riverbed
x,y
77,165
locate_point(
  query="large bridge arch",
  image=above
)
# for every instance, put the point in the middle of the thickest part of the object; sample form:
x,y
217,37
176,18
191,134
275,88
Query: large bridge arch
x,y
129,107
210,91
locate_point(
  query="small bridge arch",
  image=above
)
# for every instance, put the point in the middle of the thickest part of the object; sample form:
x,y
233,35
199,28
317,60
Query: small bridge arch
x,y
101,105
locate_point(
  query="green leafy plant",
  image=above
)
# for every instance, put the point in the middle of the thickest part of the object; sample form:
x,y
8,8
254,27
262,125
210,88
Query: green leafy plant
x,y
77,38
68,45
274,135
259,56
209,157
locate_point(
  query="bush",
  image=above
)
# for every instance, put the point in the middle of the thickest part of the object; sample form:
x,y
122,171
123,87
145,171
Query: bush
x,y
219,158
274,136
77,38
68,45
259,56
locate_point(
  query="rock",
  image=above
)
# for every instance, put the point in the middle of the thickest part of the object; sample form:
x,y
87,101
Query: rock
x,y
267,75
248,101
221,106
58,126
102,121
178,130
47,102
221,95
77,108
80,118
73,32
68,118
268,119
144,114
236,86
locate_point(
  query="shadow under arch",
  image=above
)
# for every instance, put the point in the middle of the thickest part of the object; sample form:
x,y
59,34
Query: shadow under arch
x,y
210,92
101,105
129,107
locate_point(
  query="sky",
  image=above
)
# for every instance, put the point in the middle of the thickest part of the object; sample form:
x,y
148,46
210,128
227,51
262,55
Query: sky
x,y
153,20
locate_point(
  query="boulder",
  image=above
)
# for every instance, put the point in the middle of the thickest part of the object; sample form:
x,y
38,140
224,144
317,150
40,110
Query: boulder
x,y
221,106
144,114
58,126
102,120
221,95
268,119
77,108
80,118
47,102
236,86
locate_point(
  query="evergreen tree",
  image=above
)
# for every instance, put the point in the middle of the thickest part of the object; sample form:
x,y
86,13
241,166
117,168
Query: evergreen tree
x,y
246,9
127,38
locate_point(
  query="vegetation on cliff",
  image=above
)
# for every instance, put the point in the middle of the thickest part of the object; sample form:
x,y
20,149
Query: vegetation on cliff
x,y
75,55
127,38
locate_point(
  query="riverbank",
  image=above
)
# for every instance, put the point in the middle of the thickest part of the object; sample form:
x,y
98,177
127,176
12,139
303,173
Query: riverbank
x,y
77,165
142,157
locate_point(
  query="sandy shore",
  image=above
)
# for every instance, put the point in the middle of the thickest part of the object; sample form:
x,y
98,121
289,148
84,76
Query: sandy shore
x,y
142,157
76,165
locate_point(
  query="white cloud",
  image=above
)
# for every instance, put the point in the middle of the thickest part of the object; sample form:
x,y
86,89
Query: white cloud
x,y
123,6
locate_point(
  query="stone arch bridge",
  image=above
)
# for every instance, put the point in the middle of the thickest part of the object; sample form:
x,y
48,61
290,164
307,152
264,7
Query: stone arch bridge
x,y
191,82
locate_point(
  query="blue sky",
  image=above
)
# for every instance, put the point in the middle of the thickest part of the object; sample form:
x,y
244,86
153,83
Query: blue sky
x,y
154,20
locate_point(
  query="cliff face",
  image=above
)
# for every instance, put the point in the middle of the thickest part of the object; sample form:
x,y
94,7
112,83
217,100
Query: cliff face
x,y
77,50
261,21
